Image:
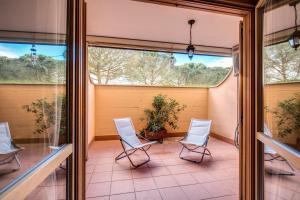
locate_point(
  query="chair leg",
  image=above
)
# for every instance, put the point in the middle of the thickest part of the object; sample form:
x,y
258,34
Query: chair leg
x,y
18,161
126,154
281,173
194,150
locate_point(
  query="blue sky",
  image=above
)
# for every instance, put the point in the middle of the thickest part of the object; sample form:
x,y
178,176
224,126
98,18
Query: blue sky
x,y
209,61
15,50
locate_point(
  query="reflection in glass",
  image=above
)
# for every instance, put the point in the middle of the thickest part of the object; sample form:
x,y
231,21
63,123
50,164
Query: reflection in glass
x,y
281,67
32,81
53,187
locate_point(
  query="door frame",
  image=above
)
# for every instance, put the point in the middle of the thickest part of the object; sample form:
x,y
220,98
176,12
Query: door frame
x,y
247,183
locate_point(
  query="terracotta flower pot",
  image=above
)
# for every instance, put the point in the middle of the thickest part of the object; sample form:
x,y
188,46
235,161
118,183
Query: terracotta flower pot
x,y
160,135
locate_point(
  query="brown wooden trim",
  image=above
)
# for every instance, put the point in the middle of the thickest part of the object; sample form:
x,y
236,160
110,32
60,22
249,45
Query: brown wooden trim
x,y
284,150
116,137
137,44
247,78
30,37
247,137
150,86
222,138
217,6
259,148
30,140
106,137
75,98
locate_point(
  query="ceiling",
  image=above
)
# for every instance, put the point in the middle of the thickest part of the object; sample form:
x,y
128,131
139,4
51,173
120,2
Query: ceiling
x,y
280,19
144,21
46,16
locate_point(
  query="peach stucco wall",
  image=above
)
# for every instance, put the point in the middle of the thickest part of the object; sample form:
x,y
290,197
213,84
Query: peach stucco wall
x,y
91,112
222,107
13,97
108,102
130,101
273,94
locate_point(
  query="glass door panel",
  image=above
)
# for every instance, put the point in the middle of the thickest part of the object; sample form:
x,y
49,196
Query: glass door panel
x,y
281,100
33,110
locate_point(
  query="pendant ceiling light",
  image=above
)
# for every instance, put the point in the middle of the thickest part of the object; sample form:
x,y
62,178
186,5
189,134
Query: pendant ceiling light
x,y
294,40
172,59
191,49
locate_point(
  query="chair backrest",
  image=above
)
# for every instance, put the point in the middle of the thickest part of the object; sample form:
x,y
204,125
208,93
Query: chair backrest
x,y
127,132
199,131
5,138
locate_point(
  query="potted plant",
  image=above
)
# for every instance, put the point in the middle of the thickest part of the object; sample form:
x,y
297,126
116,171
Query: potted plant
x,y
287,116
46,117
164,112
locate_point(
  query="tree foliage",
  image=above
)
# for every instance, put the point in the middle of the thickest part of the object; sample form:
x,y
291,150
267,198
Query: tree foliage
x,y
164,112
149,68
107,64
22,70
49,114
281,63
287,115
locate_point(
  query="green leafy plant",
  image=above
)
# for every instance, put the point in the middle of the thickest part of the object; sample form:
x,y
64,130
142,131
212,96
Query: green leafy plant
x,y
164,112
46,114
287,115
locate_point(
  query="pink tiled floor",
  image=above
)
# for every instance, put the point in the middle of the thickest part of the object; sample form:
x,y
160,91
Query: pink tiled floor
x,y
165,176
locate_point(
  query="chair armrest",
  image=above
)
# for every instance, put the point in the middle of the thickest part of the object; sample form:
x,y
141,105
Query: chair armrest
x,y
16,146
138,135
126,142
181,139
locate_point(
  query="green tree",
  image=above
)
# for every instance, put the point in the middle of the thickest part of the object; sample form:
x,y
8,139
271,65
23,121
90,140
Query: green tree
x,y
148,68
281,63
107,64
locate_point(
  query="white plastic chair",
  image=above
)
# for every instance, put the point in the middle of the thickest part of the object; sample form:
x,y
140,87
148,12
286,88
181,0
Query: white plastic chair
x,y
8,150
197,137
271,154
129,140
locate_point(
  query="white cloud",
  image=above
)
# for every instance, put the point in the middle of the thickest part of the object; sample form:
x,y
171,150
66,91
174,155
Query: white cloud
x,y
224,62
7,52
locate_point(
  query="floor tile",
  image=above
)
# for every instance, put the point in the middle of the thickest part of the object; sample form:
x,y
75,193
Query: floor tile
x,y
100,177
148,195
121,175
118,187
98,189
144,184
203,177
218,188
165,181
184,179
99,198
127,196
173,193
141,172
195,192
103,168
160,171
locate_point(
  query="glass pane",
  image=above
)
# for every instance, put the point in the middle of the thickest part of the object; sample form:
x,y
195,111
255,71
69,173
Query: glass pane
x,y
281,67
111,66
53,187
32,83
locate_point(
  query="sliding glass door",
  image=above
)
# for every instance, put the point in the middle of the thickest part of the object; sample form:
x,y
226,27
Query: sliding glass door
x,y
34,102
278,124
